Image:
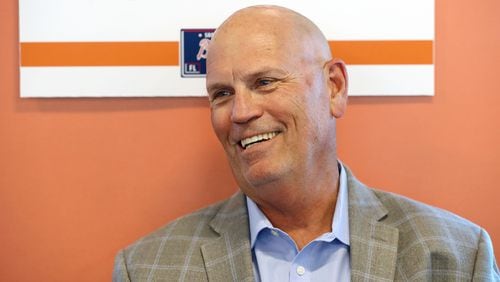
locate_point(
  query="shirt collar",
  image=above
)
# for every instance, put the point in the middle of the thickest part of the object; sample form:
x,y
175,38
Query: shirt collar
x,y
257,221
340,223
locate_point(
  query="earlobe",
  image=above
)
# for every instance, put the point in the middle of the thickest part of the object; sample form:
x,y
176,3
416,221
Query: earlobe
x,y
337,81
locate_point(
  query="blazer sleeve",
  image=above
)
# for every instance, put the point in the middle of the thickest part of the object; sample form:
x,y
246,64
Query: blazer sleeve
x,y
485,268
120,272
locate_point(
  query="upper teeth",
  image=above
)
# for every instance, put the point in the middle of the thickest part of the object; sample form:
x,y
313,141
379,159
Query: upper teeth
x,y
250,140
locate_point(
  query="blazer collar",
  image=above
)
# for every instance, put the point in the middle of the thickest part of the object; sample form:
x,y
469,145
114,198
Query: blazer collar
x,y
374,244
228,257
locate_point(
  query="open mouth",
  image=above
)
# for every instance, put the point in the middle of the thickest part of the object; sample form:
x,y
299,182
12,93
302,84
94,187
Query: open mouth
x,y
250,141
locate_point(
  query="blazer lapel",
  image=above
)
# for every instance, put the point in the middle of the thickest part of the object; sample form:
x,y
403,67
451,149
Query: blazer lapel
x,y
228,257
374,244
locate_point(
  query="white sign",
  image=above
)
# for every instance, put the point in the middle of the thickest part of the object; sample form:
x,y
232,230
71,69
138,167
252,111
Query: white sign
x,y
116,48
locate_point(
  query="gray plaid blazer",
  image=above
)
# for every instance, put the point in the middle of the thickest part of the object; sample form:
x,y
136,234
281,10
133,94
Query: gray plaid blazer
x,y
392,239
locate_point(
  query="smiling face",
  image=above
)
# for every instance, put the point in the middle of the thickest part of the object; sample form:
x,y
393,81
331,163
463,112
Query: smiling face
x,y
270,89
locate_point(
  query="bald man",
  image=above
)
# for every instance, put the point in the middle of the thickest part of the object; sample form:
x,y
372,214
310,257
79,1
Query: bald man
x,y
275,93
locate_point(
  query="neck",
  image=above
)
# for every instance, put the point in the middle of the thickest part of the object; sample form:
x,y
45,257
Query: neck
x,y
304,210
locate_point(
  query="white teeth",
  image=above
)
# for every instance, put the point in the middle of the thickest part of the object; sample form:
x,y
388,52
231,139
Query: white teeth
x,y
245,143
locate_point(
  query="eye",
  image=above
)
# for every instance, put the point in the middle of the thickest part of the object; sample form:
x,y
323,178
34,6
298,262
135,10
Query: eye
x,y
220,94
263,82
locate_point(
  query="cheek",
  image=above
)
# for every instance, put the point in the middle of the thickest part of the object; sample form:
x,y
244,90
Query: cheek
x,y
317,102
312,113
220,123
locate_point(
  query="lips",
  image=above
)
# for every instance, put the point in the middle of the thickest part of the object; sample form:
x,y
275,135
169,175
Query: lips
x,y
252,140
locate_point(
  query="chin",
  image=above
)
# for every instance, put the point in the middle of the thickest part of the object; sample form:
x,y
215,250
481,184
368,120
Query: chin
x,y
257,177
261,173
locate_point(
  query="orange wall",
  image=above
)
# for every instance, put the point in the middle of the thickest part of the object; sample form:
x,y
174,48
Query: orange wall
x,y
81,178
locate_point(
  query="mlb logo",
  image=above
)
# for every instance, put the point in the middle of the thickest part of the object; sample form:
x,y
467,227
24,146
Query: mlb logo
x,y
194,47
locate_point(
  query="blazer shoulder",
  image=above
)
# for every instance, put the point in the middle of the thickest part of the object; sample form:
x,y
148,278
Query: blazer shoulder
x,y
175,251
425,218
187,226
436,242
446,244
170,251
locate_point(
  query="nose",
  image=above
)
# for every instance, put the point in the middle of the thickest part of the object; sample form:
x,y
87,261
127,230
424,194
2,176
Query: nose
x,y
245,107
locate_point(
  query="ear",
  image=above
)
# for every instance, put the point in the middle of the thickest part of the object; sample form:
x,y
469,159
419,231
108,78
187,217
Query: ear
x,y
337,84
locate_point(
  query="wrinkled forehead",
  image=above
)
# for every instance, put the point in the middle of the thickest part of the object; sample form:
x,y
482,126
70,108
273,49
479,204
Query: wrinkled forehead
x,y
242,53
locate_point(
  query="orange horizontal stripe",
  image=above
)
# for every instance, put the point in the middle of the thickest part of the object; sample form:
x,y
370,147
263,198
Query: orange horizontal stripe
x,y
100,54
167,53
383,52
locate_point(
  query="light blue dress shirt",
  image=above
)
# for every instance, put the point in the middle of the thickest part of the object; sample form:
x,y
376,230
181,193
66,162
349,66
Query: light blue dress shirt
x,y
275,254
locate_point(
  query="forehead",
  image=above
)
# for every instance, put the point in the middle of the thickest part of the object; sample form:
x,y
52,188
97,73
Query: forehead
x,y
262,37
241,49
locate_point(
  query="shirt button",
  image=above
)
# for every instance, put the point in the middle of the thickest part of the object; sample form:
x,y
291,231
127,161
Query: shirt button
x,y
274,233
301,270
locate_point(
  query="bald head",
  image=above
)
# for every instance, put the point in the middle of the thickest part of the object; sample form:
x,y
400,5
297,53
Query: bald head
x,y
290,31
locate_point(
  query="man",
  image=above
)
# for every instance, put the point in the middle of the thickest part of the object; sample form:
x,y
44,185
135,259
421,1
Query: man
x,y
275,94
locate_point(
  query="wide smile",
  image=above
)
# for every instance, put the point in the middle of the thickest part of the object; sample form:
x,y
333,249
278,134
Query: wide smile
x,y
252,140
